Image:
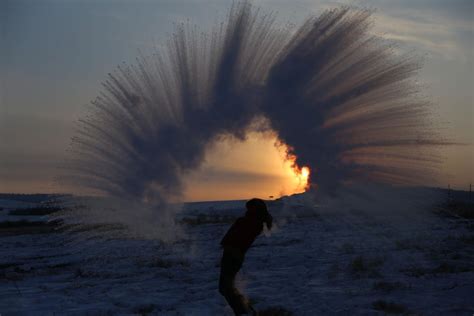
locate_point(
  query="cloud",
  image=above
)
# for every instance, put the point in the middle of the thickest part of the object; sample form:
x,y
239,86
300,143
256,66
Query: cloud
x,y
444,29
430,30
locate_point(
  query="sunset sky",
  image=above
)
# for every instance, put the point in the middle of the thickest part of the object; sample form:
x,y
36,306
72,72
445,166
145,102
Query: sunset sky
x,y
55,54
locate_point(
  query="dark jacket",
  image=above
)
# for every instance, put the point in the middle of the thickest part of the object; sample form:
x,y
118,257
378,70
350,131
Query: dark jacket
x,y
244,231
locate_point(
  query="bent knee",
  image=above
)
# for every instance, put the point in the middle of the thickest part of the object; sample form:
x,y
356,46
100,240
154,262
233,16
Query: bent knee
x,y
224,289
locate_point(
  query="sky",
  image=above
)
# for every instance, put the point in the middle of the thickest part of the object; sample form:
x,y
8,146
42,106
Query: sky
x,y
55,54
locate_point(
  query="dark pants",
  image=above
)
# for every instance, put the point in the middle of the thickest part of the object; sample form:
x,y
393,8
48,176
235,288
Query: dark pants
x,y
231,263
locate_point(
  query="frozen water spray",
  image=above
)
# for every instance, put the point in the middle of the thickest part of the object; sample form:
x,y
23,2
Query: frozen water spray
x,y
339,97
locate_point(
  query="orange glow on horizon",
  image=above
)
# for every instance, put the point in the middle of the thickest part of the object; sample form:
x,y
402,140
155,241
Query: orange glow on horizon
x,y
305,172
301,176
261,166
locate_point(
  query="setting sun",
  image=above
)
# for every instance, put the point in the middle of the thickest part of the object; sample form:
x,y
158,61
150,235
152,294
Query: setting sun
x,y
301,177
305,172
269,171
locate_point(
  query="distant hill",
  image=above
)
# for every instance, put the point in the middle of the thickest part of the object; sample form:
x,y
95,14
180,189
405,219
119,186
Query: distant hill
x,y
30,198
458,195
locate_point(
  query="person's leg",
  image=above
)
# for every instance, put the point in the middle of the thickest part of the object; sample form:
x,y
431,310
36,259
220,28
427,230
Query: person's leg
x,y
230,265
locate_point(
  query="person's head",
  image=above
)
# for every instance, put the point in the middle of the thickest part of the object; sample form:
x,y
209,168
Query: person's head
x,y
256,208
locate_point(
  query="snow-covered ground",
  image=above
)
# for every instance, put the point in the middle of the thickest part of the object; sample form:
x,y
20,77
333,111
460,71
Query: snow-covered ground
x,y
316,262
7,205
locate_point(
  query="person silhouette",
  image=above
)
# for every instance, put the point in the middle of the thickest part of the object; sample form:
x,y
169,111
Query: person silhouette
x,y
235,243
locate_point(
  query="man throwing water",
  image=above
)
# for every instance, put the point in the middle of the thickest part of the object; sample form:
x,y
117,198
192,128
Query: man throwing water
x,y
236,242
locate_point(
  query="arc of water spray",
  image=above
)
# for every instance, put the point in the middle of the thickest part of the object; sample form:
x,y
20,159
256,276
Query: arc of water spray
x,y
338,96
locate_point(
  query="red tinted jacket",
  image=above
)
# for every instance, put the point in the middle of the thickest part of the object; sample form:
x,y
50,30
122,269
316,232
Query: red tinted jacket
x,y
243,233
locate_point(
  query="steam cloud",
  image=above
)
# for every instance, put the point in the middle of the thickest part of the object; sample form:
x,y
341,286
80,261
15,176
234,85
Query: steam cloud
x,y
339,97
